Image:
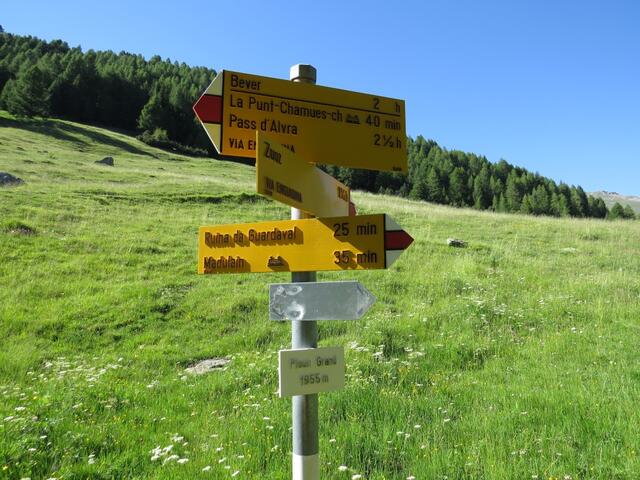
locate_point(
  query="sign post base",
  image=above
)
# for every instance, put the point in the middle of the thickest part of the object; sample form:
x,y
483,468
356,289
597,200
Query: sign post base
x,y
306,467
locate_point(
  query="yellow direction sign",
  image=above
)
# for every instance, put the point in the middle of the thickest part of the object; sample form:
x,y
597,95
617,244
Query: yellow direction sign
x,y
285,177
338,243
321,124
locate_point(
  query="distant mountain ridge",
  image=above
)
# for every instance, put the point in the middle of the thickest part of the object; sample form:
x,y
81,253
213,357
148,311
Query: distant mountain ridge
x,y
612,197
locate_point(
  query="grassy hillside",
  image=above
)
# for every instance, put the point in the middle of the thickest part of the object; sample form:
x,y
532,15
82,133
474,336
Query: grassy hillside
x,y
513,358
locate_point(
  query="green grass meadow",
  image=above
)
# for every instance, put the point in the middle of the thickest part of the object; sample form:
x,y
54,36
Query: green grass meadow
x,y
514,358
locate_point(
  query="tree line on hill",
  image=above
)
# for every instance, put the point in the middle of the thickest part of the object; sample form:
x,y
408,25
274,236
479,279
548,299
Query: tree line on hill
x,y
123,90
467,180
154,98
619,212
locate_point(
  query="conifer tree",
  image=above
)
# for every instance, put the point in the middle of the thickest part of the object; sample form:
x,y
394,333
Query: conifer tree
x,y
628,212
502,204
154,113
579,202
458,188
420,190
597,207
558,205
435,192
525,206
28,95
513,194
539,201
481,190
616,212
496,186
584,201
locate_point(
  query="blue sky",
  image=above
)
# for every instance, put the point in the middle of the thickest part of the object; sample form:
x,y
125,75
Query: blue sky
x,y
553,86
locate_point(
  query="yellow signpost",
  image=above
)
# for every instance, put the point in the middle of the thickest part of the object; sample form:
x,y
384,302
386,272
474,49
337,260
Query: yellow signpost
x,y
285,177
337,243
287,127
320,124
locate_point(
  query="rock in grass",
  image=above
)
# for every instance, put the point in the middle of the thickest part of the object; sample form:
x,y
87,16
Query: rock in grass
x,y
17,228
205,366
456,242
106,161
8,180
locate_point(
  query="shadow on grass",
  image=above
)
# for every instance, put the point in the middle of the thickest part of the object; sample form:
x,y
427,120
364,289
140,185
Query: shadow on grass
x,y
68,133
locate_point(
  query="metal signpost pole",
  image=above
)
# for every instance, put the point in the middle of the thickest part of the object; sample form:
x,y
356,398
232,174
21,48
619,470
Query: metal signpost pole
x,y
304,334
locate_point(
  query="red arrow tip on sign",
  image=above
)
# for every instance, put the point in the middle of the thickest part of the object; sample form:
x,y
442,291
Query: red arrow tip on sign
x,y
208,108
397,240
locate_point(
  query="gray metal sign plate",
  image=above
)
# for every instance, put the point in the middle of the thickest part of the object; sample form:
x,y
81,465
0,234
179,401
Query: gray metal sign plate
x,y
319,301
